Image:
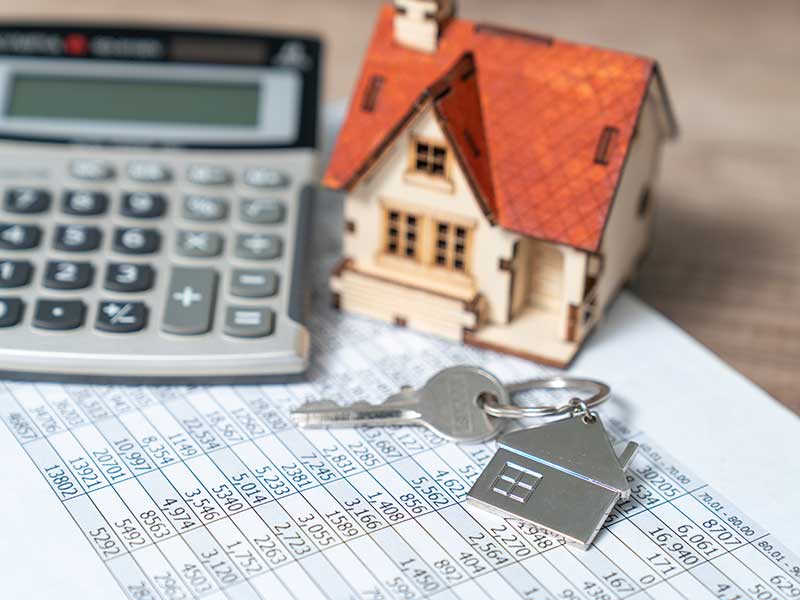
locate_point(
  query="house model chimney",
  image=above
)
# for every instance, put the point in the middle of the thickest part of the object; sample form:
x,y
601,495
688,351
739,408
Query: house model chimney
x,y
418,23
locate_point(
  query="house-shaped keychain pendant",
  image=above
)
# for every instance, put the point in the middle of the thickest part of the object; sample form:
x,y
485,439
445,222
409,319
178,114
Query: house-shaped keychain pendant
x,y
564,477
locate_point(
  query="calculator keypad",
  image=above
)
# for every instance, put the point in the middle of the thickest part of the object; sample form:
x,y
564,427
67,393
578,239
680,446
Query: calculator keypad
x,y
177,258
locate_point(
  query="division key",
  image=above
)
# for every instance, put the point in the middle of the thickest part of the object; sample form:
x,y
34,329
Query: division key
x,y
190,301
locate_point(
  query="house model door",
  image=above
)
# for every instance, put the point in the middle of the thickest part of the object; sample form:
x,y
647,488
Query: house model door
x,y
546,289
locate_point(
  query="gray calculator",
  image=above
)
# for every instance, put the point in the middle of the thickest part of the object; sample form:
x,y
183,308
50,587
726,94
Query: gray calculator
x,y
155,189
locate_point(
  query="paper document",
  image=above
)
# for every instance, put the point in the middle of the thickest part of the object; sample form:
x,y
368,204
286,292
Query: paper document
x,y
213,493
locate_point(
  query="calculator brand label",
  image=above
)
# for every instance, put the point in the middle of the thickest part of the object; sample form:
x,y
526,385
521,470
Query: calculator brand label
x,y
79,44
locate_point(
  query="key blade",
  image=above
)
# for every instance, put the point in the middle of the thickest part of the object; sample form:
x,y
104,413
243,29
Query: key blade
x,y
328,415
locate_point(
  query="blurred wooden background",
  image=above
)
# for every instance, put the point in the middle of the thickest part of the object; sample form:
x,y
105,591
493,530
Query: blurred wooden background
x,y
726,261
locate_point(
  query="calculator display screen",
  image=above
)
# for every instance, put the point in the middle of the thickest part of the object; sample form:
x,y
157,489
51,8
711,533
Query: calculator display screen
x,y
183,103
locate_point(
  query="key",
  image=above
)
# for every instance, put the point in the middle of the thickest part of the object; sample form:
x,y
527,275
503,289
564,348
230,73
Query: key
x,y
205,208
10,311
449,404
84,204
199,244
19,237
27,201
121,317
59,315
15,273
68,275
143,205
134,240
77,238
253,246
262,211
129,278
191,298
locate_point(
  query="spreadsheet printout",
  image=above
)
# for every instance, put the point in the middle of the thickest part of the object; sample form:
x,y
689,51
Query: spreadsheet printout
x,y
211,492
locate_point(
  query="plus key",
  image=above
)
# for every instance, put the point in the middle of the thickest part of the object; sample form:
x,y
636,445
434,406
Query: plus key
x,y
190,301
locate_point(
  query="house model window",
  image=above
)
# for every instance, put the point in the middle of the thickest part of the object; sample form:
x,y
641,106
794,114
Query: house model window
x,y
430,159
402,234
451,246
429,241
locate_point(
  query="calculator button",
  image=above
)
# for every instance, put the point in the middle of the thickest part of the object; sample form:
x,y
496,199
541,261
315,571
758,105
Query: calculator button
x,y
27,201
59,315
77,238
145,171
250,283
199,244
248,322
92,170
14,274
256,246
264,177
135,240
67,275
129,278
262,210
209,175
143,205
121,317
84,203
205,208
19,237
190,301
10,311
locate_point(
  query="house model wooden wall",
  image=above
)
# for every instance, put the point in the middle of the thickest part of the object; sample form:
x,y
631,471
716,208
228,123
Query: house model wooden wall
x,y
497,182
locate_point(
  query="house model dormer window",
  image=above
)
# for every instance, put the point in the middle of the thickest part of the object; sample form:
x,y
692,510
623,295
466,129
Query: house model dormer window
x,y
430,158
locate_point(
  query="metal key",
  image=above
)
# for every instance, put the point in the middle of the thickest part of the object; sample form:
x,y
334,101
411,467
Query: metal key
x,y
450,404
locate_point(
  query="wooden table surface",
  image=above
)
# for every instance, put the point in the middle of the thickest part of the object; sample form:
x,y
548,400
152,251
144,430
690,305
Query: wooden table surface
x,y
726,259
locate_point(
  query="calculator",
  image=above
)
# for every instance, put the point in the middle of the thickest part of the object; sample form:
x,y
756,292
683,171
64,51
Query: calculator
x,y
155,192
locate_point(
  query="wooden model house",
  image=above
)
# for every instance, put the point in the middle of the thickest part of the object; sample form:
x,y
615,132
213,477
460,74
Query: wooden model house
x,y
498,182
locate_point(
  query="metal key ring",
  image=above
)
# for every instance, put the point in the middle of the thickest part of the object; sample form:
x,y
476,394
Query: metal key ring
x,y
576,406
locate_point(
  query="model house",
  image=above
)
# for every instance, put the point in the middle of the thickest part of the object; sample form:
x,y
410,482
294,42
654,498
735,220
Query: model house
x,y
497,182
571,493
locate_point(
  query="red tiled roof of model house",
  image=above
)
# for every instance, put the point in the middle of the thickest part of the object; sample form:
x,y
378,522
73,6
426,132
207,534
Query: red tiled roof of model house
x,y
556,119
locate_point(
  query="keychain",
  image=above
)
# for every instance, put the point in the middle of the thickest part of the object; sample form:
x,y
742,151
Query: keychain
x,y
563,476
